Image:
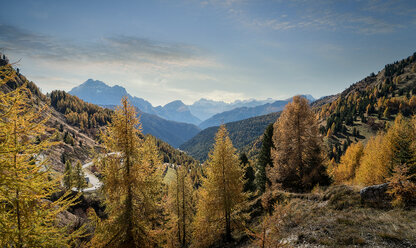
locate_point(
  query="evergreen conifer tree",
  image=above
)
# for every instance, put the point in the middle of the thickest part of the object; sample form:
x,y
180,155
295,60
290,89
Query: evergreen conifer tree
x,y
264,159
68,175
79,177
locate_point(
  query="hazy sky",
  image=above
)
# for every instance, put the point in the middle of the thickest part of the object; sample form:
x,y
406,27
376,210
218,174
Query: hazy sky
x,y
222,50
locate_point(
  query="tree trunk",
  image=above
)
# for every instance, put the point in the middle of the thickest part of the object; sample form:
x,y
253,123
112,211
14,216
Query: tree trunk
x,y
178,205
183,212
19,224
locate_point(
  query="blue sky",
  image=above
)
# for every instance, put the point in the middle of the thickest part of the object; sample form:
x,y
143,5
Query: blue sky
x,y
222,50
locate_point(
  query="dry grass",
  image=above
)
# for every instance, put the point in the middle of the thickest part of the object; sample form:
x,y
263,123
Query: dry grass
x,y
336,218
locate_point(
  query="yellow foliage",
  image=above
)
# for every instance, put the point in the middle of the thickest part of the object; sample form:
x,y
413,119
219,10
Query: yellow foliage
x,y
297,156
180,207
27,218
373,169
132,185
386,151
221,197
350,161
401,186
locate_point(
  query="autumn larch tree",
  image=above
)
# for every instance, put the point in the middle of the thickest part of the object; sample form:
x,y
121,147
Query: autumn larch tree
x,y
27,218
132,184
350,161
181,208
373,167
400,140
386,151
297,156
221,196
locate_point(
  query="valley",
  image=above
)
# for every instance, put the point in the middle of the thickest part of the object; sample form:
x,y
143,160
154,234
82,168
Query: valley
x,y
208,124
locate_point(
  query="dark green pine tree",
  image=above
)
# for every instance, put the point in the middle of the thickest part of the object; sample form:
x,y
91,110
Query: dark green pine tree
x,y
249,175
264,159
68,182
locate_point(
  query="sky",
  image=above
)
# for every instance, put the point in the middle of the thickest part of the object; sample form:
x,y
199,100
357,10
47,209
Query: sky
x,y
225,50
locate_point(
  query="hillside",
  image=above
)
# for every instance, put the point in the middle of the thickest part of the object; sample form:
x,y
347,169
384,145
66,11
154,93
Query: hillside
x,y
336,217
73,143
76,124
368,106
242,134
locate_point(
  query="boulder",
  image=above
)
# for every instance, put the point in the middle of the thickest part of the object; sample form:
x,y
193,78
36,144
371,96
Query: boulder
x,y
376,196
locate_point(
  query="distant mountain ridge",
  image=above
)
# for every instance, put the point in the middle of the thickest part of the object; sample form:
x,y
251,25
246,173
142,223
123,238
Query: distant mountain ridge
x,y
204,112
205,108
177,111
97,92
242,113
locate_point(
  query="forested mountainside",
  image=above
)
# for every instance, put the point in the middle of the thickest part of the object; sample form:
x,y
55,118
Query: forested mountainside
x,y
77,123
242,133
368,106
357,113
73,143
242,113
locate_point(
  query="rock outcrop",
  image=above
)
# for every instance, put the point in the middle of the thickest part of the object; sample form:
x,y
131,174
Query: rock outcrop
x,y
376,196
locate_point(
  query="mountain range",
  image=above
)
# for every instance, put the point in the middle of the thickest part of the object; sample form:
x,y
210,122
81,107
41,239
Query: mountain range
x,y
246,112
204,113
98,92
204,108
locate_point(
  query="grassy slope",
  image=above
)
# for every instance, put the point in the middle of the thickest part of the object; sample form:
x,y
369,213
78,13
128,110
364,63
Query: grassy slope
x,y
336,218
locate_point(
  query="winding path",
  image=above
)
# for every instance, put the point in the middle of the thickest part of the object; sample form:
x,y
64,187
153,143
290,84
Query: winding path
x,y
96,183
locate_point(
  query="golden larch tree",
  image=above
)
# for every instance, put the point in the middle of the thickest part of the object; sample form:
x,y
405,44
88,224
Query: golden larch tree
x,y
350,161
181,208
297,156
386,151
221,197
27,217
373,168
132,184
